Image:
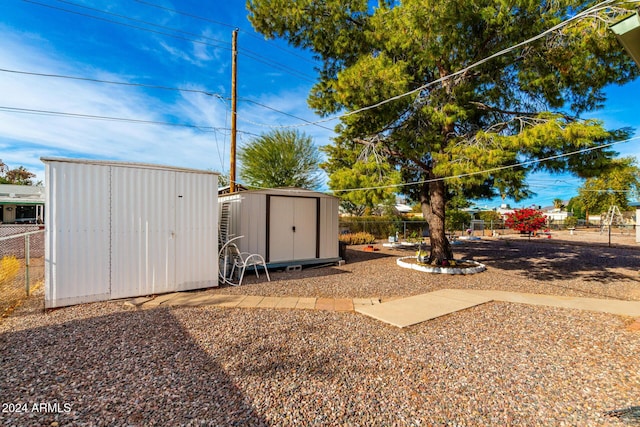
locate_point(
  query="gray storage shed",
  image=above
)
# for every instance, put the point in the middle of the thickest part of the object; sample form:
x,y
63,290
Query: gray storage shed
x,y
287,226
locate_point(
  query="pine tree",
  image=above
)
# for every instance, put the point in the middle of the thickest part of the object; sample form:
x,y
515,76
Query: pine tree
x,y
481,125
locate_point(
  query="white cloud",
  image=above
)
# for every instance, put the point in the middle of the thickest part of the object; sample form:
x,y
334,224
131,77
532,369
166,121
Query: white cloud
x,y
24,138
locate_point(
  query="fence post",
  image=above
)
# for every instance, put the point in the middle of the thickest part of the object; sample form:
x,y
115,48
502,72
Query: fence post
x,y
26,261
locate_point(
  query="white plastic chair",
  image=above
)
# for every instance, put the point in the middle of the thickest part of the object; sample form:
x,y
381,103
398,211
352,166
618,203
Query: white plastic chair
x,y
231,256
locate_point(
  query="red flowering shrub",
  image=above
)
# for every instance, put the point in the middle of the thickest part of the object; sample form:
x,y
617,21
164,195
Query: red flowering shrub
x,y
526,220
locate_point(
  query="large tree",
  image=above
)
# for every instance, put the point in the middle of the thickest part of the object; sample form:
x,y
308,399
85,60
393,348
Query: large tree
x,y
469,126
615,185
18,176
281,158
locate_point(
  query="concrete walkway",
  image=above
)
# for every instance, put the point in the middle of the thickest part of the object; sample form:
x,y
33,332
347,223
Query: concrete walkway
x,y
416,309
399,312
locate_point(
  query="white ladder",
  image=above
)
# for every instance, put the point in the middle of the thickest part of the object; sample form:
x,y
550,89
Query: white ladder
x,y
613,217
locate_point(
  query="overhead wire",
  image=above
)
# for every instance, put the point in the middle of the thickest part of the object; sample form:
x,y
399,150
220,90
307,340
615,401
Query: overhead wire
x,y
502,52
421,88
491,170
226,45
176,36
201,128
88,79
244,31
464,175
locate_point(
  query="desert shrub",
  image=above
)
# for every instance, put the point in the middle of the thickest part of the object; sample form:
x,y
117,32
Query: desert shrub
x,y
9,268
570,222
360,238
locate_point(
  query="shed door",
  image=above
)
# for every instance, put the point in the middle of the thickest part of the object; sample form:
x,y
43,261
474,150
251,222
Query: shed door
x,y
293,228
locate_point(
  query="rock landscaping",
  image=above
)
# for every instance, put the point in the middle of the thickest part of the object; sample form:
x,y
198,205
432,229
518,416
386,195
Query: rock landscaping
x,y
494,364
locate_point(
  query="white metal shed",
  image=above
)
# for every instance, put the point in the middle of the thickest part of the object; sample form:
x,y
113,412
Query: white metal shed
x,y
287,226
118,230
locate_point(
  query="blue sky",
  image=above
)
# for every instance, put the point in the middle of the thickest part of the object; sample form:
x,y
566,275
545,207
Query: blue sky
x,y
177,51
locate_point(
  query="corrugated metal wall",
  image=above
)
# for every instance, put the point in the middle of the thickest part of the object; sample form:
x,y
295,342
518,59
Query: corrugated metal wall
x,y
133,231
196,231
77,243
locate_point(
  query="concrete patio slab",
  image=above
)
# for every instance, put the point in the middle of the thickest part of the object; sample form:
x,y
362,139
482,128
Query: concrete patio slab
x,y
268,302
343,304
306,303
420,308
325,304
251,301
228,300
287,302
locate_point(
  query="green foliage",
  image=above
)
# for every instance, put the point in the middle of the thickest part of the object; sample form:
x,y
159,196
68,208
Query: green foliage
x,y
613,186
456,220
571,222
521,106
282,158
576,207
360,238
558,204
489,216
372,177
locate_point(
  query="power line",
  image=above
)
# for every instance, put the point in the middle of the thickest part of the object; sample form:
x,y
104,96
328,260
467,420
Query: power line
x,y
201,128
280,112
150,86
88,79
251,55
141,21
248,33
277,66
580,15
497,169
126,25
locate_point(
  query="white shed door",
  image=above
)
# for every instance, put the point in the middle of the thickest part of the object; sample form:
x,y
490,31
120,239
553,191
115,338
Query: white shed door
x,y
293,223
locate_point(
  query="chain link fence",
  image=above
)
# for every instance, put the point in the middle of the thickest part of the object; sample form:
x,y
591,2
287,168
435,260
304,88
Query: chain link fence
x,y
21,264
416,229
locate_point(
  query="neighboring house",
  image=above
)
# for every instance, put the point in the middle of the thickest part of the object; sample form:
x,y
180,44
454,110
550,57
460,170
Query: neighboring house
x,y
556,214
21,204
503,210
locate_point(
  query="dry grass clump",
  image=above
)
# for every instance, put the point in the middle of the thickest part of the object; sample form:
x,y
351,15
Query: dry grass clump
x,y
9,268
360,238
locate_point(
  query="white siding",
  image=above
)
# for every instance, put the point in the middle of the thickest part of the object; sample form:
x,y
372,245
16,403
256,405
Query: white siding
x,y
143,232
117,230
77,247
329,228
196,231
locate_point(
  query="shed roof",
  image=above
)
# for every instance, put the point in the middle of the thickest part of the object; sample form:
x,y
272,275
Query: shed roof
x,y
21,194
283,191
125,164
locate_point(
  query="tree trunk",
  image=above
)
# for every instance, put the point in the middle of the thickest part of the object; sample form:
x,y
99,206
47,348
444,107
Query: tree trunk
x,y
432,202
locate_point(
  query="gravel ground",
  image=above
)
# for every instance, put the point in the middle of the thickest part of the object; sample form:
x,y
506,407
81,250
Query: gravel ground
x,y
495,364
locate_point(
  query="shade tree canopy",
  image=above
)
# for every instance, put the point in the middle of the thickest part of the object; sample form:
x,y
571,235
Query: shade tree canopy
x,y
414,85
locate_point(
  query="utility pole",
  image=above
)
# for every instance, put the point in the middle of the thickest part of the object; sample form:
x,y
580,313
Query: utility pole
x,y
234,104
